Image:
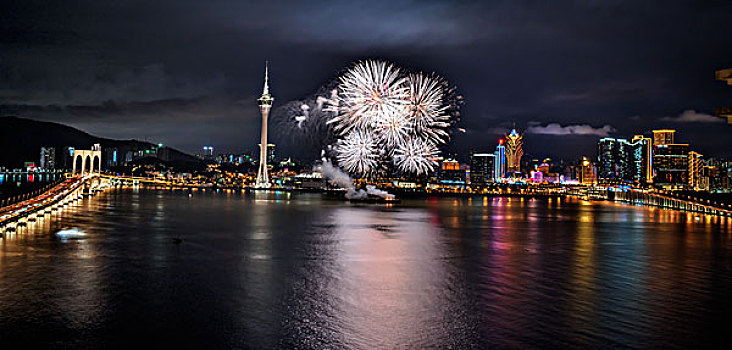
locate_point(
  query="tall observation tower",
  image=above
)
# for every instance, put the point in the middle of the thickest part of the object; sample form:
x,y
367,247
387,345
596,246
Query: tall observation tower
x,y
265,103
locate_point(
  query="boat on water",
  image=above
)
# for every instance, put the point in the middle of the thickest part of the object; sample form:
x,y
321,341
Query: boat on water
x,y
370,195
71,233
378,200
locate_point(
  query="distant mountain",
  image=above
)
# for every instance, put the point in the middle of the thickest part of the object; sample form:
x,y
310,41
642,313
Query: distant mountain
x,y
21,141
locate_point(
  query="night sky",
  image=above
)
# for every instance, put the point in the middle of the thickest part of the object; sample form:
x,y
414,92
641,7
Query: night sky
x,y
187,73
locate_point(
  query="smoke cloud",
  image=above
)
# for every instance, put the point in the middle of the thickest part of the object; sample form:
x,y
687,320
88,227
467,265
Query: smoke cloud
x,y
339,178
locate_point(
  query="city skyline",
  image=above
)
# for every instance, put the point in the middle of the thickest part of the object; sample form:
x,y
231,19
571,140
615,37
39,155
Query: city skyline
x,y
565,91
432,174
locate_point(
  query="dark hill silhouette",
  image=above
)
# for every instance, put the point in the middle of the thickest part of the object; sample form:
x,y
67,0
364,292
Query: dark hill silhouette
x,y
21,141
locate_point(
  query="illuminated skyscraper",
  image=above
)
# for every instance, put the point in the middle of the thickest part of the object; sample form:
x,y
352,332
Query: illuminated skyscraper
x,y
450,172
265,103
48,158
671,165
620,159
588,172
482,166
663,137
643,154
499,161
514,151
696,165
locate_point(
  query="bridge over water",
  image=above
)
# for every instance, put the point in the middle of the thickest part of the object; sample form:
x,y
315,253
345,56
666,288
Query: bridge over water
x,y
54,199
655,198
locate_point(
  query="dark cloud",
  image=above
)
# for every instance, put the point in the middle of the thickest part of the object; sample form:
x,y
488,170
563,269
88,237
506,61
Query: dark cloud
x,y
187,72
690,116
557,129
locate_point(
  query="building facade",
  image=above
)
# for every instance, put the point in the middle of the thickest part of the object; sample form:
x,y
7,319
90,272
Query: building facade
x,y
671,165
450,172
112,157
644,157
696,172
48,158
66,160
588,172
623,160
482,167
663,137
514,151
499,161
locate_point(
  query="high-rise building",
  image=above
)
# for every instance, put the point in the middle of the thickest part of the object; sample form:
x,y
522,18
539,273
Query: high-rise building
x,y
450,172
696,166
482,166
112,157
663,137
612,158
265,103
48,158
499,161
643,155
671,165
720,175
588,172
207,152
514,151
620,159
707,177
66,158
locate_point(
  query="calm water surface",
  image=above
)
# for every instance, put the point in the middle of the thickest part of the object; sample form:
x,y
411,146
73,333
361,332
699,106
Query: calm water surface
x,y
298,271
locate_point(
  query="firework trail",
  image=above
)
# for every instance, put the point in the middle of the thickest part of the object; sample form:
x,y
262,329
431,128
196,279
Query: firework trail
x,y
303,123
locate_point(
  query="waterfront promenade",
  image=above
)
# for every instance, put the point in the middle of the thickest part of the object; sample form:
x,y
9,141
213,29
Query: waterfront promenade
x,y
71,189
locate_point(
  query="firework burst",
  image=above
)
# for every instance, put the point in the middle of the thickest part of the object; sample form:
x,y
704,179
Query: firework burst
x,y
404,116
416,156
375,117
358,153
369,95
427,108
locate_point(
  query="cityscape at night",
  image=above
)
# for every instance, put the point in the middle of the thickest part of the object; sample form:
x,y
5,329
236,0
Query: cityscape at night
x,y
365,175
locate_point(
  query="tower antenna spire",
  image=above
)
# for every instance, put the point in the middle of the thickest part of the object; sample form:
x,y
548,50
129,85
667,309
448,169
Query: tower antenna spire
x,y
265,91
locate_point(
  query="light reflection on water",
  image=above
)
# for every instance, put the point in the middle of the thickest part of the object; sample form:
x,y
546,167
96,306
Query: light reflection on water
x,y
296,270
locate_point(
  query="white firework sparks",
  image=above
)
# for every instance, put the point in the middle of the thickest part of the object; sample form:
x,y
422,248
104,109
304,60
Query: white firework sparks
x,y
427,108
393,129
369,95
416,156
380,113
358,153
